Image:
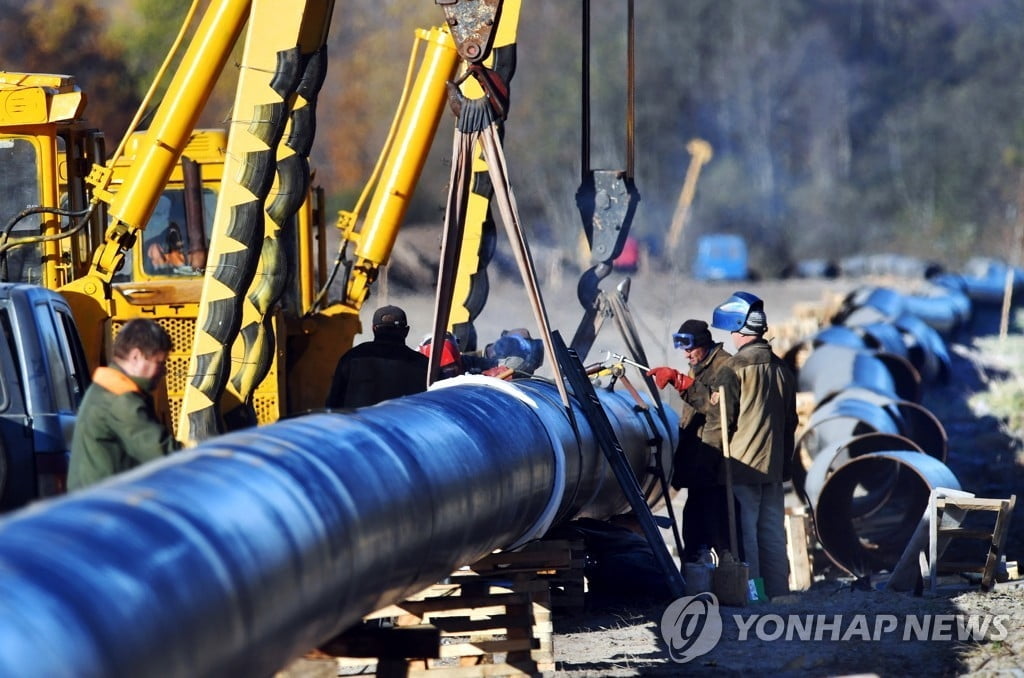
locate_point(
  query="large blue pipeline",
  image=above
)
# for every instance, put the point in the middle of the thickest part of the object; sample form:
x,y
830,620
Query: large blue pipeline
x,y
255,547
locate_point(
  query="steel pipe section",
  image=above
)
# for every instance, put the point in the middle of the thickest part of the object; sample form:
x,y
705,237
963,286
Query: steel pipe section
x,y
831,459
254,547
926,348
872,542
831,368
832,425
883,342
913,419
869,454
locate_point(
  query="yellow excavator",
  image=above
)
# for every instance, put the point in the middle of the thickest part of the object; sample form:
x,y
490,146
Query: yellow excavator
x,y
219,235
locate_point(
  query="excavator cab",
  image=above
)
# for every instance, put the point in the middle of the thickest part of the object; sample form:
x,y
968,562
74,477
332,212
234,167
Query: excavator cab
x,y
46,151
175,241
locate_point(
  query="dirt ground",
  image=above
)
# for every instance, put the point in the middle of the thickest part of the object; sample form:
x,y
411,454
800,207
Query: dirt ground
x,y
624,637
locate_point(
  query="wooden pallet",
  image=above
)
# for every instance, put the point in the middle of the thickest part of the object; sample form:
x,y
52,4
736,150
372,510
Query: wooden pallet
x,y
479,631
557,562
493,618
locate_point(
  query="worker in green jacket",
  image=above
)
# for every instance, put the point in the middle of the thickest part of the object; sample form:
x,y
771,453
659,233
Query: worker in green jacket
x,y
117,428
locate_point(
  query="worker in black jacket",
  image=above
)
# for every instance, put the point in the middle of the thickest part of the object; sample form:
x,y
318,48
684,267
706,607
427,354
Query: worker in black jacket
x,y
380,369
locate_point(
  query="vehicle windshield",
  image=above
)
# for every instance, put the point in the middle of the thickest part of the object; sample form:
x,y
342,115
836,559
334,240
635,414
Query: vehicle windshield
x,y
165,247
19,175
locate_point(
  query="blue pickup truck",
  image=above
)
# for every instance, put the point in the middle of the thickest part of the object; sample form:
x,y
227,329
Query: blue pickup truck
x,y
721,256
43,375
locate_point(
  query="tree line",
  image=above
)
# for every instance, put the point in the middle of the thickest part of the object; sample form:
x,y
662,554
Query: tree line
x,y
841,127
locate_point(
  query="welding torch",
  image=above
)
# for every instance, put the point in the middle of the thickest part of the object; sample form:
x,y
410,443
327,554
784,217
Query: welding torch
x,y
623,359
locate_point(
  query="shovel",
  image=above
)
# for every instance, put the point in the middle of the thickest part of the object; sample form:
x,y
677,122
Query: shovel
x,y
731,575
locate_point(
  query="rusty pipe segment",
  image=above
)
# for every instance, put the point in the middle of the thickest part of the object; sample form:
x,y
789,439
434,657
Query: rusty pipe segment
x,y
252,548
873,542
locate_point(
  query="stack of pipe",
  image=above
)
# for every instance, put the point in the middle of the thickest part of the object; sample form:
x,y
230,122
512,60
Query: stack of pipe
x,y
870,453
255,547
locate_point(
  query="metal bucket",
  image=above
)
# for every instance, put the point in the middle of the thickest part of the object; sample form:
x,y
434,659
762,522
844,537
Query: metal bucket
x,y
731,578
699,577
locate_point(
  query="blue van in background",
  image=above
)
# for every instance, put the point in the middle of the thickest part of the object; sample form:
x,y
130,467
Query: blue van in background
x,y
721,256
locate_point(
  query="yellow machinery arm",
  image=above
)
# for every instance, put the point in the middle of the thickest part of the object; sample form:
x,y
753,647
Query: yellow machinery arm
x,y
403,158
158,152
234,343
250,336
700,155
173,123
480,31
283,46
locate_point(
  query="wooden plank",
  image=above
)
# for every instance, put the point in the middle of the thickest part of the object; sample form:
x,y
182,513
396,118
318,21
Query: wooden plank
x,y
478,671
487,647
995,551
397,642
800,575
489,617
971,504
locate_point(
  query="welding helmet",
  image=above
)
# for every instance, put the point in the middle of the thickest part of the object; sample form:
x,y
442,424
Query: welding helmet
x,y
743,312
451,357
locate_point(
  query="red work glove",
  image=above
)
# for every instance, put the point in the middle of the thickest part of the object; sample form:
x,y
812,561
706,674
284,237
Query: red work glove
x,y
666,375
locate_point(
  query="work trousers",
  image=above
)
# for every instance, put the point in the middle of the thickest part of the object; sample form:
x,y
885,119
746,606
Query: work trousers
x,y
705,521
762,516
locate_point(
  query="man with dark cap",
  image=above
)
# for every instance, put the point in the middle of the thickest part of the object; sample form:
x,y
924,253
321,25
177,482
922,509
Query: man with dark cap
x,y
761,420
699,453
380,369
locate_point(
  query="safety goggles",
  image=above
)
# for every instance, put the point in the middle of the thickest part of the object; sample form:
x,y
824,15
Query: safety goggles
x,y
683,340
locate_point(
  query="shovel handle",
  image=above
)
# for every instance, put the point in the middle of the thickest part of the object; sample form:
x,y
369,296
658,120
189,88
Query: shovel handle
x,y
728,472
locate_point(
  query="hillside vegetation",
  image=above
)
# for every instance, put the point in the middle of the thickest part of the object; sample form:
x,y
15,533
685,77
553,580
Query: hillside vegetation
x,y
837,127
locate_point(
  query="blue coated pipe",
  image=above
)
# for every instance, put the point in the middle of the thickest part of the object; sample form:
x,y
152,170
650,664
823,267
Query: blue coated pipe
x,y
247,551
